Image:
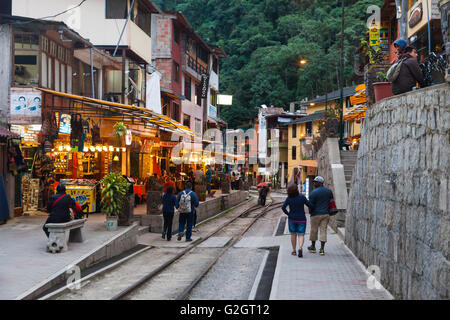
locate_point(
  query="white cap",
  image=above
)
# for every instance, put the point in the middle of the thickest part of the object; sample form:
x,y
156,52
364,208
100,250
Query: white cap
x,y
319,179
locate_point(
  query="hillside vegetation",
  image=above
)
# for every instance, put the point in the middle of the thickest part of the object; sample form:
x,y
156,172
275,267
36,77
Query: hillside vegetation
x,y
264,41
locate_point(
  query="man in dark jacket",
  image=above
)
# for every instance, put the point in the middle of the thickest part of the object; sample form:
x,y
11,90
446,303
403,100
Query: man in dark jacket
x,y
320,200
410,73
58,207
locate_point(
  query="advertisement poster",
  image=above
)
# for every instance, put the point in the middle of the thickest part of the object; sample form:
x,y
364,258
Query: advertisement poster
x,y
64,123
83,195
25,106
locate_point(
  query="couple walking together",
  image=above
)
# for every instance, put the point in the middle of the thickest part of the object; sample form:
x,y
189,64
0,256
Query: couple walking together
x,y
186,202
318,204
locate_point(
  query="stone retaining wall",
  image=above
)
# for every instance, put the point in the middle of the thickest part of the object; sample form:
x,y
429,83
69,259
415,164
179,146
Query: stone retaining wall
x,y
398,215
330,168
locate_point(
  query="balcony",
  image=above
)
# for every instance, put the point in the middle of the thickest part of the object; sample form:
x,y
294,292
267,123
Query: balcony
x,y
192,66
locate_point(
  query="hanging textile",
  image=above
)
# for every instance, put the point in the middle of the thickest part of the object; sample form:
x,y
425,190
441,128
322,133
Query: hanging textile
x,y
4,208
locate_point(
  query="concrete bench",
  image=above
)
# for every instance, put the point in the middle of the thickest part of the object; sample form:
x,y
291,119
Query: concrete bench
x,y
62,233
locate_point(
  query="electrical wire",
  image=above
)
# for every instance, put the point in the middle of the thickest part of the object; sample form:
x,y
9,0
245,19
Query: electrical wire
x,y
53,16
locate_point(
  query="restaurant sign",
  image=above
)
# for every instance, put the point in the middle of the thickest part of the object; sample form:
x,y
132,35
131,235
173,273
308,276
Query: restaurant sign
x,y
416,15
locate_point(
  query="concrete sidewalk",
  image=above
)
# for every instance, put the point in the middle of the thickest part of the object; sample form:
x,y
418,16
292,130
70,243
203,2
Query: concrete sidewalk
x,y
338,275
24,262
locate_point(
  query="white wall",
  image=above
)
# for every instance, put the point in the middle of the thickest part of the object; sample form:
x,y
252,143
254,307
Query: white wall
x,y
89,21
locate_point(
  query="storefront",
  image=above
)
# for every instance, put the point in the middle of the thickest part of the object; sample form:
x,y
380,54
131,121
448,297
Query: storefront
x,y
424,27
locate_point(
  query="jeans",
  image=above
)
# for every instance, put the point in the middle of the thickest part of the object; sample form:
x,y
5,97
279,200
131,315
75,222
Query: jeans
x,y
167,229
208,187
186,219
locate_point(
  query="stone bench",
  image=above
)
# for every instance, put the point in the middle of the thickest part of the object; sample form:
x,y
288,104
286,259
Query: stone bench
x,y
62,233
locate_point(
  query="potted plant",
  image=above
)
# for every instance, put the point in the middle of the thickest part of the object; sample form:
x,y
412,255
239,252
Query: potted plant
x,y
202,196
154,195
383,88
200,187
375,74
120,130
113,191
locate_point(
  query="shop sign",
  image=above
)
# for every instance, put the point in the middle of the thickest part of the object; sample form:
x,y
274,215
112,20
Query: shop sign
x,y
83,196
128,138
25,107
146,146
169,144
205,84
416,15
29,134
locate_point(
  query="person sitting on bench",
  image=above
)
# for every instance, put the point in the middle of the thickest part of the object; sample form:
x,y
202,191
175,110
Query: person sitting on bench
x,y
59,206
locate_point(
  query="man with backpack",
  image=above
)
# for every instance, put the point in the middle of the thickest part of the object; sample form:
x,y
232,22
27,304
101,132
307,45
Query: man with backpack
x,y
186,203
405,73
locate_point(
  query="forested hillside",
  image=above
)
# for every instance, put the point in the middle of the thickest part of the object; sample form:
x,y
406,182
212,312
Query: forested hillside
x,y
265,39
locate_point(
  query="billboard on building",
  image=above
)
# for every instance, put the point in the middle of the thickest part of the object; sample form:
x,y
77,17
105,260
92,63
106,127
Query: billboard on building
x,y
25,106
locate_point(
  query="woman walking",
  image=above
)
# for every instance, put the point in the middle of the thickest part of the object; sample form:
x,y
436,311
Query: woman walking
x,y
168,212
296,217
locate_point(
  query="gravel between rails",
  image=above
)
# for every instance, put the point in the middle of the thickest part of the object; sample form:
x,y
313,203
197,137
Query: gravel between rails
x,y
232,277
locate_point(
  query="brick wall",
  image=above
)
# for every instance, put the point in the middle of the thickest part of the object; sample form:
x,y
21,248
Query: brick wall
x,y
398,216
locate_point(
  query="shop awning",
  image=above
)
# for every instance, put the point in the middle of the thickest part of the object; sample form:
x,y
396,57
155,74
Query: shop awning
x,y
308,163
356,112
141,114
4,133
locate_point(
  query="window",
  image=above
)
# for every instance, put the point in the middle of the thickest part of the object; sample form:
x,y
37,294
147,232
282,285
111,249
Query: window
x,y
176,33
116,9
202,53
309,127
176,112
215,65
44,70
198,126
26,59
294,131
187,87
213,98
294,152
144,20
176,72
198,94
187,120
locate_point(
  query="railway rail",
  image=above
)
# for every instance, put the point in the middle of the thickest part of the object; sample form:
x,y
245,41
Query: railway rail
x,y
253,213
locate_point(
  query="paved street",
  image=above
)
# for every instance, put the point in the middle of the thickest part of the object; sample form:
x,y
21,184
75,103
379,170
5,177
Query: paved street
x,y
337,275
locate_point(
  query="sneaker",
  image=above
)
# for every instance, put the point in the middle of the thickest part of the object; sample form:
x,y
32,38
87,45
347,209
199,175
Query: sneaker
x,y
163,236
300,253
188,240
179,237
312,249
168,239
322,252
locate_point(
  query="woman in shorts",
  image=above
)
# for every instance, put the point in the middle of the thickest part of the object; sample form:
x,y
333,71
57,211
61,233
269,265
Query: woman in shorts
x,y
296,217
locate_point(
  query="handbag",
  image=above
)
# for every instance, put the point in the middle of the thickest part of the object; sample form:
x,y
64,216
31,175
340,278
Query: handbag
x,y
332,208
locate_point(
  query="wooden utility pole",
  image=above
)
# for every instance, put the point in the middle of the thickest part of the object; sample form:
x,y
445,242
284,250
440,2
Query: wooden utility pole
x,y
341,83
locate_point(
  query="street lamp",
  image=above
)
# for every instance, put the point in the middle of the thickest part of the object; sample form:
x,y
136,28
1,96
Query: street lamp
x,y
303,61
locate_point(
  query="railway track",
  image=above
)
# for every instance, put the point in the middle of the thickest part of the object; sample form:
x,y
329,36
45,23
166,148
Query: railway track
x,y
135,288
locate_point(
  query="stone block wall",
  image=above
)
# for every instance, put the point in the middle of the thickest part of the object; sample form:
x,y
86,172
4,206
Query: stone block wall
x,y
398,216
330,168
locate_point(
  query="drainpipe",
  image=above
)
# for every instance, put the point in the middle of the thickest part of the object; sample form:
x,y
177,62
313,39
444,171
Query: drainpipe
x,y
92,75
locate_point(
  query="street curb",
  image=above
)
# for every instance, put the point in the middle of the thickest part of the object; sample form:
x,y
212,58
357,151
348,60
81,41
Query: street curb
x,y
84,262
255,286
